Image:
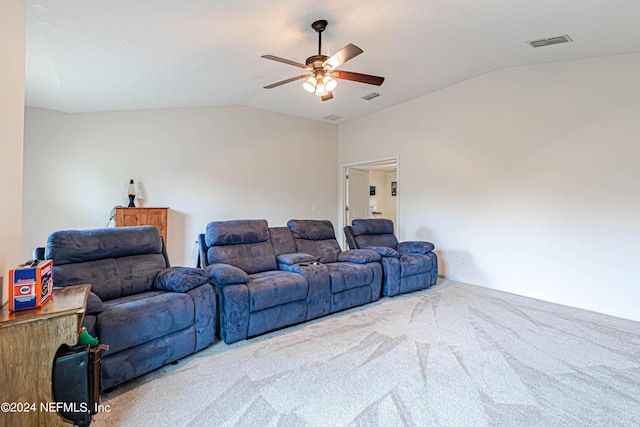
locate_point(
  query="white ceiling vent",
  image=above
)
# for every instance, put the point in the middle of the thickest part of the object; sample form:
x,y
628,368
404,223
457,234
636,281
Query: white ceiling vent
x,y
332,117
371,96
549,41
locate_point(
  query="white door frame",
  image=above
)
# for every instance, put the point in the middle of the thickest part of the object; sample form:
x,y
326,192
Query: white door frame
x,y
357,198
343,183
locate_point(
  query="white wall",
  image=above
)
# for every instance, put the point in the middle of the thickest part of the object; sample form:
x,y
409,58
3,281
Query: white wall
x,y
383,200
378,179
531,174
213,163
12,57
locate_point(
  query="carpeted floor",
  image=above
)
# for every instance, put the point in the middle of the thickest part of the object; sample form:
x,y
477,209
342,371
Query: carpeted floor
x,y
453,355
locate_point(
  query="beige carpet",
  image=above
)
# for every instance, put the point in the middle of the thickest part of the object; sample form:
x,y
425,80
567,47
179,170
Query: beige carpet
x,y
453,355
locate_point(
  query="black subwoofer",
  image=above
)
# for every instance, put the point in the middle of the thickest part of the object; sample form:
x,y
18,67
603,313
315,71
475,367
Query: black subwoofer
x,y
73,388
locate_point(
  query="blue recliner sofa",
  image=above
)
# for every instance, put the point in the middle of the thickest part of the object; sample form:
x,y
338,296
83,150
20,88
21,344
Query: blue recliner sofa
x,y
265,282
407,266
254,295
148,313
355,275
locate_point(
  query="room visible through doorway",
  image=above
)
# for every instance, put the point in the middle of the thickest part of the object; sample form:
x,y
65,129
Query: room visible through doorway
x,y
370,190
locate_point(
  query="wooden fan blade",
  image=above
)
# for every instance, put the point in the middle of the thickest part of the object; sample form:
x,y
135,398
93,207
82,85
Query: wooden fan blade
x,y
357,77
292,79
343,55
285,61
327,97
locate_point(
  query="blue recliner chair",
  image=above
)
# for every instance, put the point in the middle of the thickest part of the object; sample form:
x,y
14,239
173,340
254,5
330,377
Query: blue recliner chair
x,y
356,275
408,266
148,313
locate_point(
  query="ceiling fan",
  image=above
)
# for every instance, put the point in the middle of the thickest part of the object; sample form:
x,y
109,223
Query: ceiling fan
x,y
321,82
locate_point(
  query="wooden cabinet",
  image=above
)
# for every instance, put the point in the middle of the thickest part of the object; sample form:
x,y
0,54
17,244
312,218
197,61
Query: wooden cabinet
x,y
127,217
29,340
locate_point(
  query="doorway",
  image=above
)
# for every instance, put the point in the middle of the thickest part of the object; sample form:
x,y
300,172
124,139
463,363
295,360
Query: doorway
x,y
370,190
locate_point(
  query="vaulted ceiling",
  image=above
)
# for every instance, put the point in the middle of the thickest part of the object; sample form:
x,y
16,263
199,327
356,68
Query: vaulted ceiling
x,y
105,55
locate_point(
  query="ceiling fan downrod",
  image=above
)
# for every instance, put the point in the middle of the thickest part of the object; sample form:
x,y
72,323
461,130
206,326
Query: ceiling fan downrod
x,y
319,26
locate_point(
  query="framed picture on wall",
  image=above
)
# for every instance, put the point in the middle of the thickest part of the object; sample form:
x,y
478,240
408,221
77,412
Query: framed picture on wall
x,y
372,190
394,188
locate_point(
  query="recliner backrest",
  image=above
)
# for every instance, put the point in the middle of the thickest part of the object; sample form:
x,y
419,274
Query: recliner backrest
x,y
282,240
348,235
242,243
373,232
117,262
315,237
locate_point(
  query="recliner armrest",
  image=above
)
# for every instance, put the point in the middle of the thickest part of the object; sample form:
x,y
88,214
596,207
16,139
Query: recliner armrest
x,y
359,256
94,304
295,258
415,247
180,279
384,251
225,274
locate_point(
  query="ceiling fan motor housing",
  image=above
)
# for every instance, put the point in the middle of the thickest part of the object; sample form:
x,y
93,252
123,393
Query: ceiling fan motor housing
x,y
316,64
316,61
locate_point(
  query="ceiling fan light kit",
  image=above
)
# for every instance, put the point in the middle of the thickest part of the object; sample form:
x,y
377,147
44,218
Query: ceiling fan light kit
x,y
322,80
310,85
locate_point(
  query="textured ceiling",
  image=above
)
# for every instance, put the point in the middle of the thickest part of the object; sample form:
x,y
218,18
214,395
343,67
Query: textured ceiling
x,y
104,55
